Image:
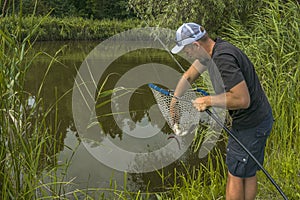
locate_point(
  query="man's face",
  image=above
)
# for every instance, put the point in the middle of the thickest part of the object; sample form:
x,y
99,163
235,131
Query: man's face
x,y
195,51
189,51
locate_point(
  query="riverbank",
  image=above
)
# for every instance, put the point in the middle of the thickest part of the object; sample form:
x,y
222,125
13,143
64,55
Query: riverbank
x,y
68,28
29,141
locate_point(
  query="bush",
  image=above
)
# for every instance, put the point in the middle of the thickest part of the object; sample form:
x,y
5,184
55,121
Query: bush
x,y
212,14
70,28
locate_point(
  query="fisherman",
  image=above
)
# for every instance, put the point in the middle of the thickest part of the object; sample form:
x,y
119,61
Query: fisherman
x,y
238,89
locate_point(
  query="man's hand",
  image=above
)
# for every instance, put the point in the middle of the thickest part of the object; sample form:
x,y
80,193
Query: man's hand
x,y
202,103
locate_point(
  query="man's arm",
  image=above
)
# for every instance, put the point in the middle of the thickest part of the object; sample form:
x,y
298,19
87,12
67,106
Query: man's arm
x,y
195,70
236,98
184,84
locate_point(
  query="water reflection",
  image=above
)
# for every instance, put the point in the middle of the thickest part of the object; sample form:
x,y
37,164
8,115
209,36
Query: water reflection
x,y
84,167
141,99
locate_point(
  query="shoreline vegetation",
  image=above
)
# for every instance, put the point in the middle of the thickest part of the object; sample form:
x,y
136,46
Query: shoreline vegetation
x,y
67,28
28,141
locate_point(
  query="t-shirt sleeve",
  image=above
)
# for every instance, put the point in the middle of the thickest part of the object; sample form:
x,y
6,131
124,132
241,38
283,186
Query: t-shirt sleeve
x,y
229,70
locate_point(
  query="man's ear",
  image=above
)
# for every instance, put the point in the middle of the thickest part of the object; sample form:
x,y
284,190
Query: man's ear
x,y
196,44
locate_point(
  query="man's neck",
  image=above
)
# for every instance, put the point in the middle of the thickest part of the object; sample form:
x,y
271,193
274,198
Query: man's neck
x,y
210,46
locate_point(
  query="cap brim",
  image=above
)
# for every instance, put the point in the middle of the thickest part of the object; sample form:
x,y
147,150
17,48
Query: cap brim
x,y
177,49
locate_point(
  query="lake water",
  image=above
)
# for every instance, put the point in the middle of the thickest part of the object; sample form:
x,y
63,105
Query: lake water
x,y
133,129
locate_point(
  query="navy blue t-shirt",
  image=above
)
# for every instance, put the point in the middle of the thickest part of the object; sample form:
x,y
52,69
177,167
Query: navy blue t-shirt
x,y
234,66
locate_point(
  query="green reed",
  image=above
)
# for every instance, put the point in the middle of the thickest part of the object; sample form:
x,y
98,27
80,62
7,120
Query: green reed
x,y
273,45
28,129
28,144
206,181
69,28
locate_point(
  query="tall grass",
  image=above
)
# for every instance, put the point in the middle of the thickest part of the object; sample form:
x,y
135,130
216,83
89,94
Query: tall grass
x,y
24,136
28,130
28,142
206,181
69,28
272,42
29,137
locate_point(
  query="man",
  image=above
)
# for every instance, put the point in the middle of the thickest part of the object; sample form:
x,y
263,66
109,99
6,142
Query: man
x,y
237,88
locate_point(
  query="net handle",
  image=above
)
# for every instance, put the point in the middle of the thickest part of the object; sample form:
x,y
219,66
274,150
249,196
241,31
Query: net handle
x,y
166,92
158,89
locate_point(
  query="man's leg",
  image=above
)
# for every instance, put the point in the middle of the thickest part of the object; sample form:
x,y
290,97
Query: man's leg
x,y
250,187
239,163
241,188
235,188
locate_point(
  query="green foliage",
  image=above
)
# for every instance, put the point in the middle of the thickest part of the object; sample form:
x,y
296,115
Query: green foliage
x,y
206,181
212,14
71,28
20,149
28,140
270,37
91,9
272,43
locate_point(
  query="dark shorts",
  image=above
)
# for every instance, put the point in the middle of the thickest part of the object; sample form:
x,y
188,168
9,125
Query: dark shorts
x,y
254,139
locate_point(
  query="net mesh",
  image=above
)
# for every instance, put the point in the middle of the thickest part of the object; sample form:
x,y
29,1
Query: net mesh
x,y
180,114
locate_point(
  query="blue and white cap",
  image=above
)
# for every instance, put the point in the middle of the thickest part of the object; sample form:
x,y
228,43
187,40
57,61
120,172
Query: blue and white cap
x,y
187,34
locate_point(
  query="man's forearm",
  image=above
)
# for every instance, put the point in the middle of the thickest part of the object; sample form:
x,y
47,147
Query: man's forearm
x,y
237,98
